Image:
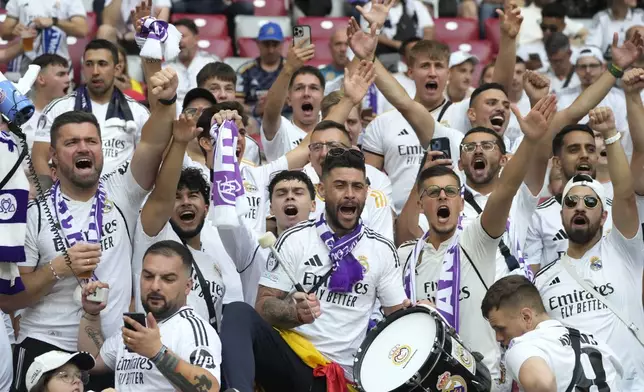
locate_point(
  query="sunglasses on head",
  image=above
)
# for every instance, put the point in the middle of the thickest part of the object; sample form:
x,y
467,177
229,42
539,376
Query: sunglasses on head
x,y
590,201
434,191
338,152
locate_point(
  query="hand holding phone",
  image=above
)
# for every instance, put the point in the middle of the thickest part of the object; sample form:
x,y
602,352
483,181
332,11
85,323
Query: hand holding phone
x,y
301,33
442,145
138,317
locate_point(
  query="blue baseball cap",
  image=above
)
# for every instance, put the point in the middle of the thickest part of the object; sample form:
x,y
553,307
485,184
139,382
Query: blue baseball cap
x,y
270,32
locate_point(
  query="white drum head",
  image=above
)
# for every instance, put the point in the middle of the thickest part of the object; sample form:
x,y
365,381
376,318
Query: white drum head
x,y
397,352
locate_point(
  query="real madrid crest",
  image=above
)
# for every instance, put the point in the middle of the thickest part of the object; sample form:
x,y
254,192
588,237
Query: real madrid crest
x,y
108,206
595,263
363,262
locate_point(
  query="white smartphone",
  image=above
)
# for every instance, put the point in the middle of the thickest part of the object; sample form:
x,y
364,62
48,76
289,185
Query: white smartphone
x,y
301,33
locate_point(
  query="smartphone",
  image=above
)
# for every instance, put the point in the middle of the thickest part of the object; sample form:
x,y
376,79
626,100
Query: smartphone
x,y
441,144
138,317
301,33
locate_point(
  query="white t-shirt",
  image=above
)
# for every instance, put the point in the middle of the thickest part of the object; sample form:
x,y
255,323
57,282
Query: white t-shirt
x,y
288,137
603,28
6,360
547,240
392,137
188,75
118,140
550,341
55,318
531,31
184,333
413,7
256,180
28,10
207,264
474,329
29,128
614,99
619,281
342,327
377,212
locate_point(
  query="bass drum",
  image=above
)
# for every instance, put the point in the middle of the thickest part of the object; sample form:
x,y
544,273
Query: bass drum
x,y
414,349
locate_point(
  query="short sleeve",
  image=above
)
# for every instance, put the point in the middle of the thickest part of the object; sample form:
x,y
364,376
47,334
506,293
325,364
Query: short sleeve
x,y
267,171
31,238
533,244
281,143
13,10
206,356
631,249
43,129
141,115
481,249
240,243
455,116
274,276
109,350
122,188
372,141
390,285
381,220
74,8
523,207
518,354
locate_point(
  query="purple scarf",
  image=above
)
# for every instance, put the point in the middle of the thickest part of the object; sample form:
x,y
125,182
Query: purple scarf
x,y
346,269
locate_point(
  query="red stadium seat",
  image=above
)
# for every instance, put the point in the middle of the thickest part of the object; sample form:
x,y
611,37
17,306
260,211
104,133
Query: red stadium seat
x,y
323,27
221,47
76,48
456,29
481,49
270,8
210,26
92,24
248,47
322,50
493,32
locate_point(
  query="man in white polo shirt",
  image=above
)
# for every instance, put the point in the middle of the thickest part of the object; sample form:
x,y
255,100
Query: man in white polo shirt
x,y
610,265
543,354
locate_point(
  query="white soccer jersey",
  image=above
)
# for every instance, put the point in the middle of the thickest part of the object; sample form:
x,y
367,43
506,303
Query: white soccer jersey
x,y
29,129
188,75
474,329
614,268
6,360
184,333
547,240
206,262
288,137
256,181
342,327
604,26
55,318
251,152
550,341
118,141
392,137
377,213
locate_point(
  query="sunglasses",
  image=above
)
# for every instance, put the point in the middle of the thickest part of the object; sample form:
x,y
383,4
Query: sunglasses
x,y
434,191
338,152
571,201
315,147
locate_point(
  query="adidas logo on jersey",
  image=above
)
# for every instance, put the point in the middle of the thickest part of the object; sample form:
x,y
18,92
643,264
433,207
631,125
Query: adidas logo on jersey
x,y
314,262
403,133
561,235
555,281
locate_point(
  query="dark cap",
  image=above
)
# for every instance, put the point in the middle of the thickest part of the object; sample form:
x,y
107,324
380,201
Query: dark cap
x,y
196,93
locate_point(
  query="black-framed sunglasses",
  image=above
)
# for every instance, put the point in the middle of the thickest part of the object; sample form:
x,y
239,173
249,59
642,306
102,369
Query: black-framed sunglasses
x,y
590,201
434,191
338,152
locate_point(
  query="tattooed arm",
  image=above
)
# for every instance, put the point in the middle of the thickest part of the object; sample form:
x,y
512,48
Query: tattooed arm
x,y
184,376
90,339
277,308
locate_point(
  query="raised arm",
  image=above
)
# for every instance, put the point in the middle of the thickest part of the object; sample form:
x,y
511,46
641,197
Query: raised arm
x,y
624,209
511,19
90,333
150,66
276,96
534,127
157,130
158,208
357,80
633,83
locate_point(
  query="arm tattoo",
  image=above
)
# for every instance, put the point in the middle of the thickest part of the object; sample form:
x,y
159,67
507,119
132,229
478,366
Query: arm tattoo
x,y
168,366
95,336
278,308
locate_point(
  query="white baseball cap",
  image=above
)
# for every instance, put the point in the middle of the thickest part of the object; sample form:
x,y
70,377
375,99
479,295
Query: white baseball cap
x,y
459,57
587,181
591,51
53,360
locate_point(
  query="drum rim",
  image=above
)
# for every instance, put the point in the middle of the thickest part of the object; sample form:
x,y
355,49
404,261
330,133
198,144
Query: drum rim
x,y
441,330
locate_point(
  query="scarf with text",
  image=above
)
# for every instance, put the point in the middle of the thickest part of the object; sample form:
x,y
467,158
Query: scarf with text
x,y
346,269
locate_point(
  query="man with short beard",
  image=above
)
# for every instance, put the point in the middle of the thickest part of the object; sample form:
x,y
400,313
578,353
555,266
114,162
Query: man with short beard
x,y
175,349
608,260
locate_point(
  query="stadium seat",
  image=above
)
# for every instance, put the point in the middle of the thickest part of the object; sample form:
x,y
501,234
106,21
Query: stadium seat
x,y
76,48
455,29
92,24
481,49
221,47
248,26
236,62
247,47
270,7
210,26
493,33
322,50
323,27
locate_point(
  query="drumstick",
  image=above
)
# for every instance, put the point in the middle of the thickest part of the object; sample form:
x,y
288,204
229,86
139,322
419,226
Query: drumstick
x,y
268,241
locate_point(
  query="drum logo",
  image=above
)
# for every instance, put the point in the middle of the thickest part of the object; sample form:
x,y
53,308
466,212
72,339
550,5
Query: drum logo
x,y
448,383
400,354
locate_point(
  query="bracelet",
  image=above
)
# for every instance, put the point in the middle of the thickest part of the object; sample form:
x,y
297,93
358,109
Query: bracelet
x,y
168,102
53,271
616,71
613,139
158,356
367,30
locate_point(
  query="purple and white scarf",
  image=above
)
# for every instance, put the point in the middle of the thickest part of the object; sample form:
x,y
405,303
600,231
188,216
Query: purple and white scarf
x,y
158,39
372,93
346,269
228,201
72,232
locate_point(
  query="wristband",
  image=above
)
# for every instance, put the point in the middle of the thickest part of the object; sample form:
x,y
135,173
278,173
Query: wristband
x,y
616,71
613,139
168,102
159,355
53,271
367,30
